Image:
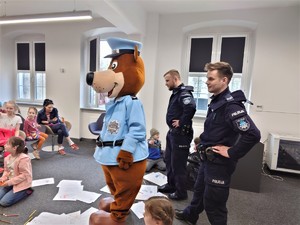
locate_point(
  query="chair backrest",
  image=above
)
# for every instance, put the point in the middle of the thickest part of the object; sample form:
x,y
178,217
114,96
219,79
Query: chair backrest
x,y
100,121
22,134
23,120
68,125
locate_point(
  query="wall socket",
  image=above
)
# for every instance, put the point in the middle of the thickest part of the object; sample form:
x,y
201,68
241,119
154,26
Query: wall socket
x,y
259,108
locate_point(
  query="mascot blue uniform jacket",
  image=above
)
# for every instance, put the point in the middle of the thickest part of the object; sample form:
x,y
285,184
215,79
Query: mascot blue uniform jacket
x,y
122,149
124,119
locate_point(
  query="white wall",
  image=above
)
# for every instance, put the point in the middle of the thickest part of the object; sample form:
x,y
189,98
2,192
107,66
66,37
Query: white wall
x,y
63,49
275,72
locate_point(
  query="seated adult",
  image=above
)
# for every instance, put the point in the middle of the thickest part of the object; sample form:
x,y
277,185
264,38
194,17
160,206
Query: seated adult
x,y
49,116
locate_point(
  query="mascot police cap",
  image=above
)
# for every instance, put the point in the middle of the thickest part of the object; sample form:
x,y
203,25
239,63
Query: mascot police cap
x,y
121,46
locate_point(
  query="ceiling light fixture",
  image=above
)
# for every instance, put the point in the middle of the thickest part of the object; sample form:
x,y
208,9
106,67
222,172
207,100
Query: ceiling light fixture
x,y
47,17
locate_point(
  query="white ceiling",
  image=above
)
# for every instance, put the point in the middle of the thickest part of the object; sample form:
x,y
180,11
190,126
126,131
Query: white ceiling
x,y
21,7
120,12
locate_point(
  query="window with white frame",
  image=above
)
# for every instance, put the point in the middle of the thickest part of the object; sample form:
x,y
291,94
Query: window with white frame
x,y
97,50
31,71
213,48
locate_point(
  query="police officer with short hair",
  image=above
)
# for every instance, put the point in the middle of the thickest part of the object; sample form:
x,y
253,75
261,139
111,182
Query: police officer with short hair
x,y
179,117
229,133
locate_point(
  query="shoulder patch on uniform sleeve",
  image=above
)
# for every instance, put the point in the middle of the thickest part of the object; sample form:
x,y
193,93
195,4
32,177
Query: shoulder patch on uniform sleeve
x,y
238,113
242,124
186,100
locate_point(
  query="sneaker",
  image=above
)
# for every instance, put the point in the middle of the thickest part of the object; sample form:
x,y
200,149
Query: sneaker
x,y
61,151
36,154
74,146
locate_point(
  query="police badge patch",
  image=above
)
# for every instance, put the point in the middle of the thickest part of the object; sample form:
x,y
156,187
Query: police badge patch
x,y
243,124
186,100
113,127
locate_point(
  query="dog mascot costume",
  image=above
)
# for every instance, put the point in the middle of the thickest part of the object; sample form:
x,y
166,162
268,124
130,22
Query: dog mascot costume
x,y
121,147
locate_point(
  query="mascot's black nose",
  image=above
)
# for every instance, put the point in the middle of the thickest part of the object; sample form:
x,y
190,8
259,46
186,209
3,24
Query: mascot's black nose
x,y
90,78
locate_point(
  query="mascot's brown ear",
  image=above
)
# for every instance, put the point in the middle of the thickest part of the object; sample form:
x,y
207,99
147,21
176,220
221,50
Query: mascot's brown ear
x,y
136,53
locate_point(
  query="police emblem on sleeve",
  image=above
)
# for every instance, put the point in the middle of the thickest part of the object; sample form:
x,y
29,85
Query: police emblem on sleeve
x,y
113,127
187,100
242,123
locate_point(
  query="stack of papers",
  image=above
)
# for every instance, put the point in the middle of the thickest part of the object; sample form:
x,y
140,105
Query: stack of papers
x,y
156,178
75,218
72,190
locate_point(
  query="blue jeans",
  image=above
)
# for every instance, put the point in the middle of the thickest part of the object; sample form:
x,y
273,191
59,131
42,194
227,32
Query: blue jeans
x,y
61,130
8,197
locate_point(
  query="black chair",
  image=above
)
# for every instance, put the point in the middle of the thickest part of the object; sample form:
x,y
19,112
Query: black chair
x,y
96,127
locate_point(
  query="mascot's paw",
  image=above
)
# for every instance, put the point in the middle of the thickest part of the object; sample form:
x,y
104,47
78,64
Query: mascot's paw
x,y
104,204
125,159
103,218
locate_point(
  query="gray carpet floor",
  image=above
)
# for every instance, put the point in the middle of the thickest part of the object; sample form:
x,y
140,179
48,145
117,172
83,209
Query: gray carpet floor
x,y
277,203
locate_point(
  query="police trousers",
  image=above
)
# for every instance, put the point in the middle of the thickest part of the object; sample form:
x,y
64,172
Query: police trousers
x,y
176,154
211,191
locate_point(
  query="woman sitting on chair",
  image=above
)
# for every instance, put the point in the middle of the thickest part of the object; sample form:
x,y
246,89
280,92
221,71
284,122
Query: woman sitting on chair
x,y
49,116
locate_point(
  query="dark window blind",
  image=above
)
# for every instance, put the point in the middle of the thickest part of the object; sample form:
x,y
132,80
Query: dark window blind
x,y
39,51
201,50
232,51
23,56
93,54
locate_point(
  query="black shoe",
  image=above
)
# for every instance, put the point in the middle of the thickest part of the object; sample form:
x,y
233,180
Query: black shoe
x,y
166,189
179,214
175,196
29,191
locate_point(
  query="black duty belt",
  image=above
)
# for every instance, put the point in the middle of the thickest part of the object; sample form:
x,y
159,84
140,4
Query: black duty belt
x,y
206,153
109,143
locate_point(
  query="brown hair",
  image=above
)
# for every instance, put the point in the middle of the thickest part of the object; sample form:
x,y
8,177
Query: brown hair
x,y
160,208
34,109
197,140
173,73
19,143
224,69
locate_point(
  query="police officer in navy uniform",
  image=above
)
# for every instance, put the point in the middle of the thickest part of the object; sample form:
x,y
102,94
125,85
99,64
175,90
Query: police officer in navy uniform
x,y
179,117
229,133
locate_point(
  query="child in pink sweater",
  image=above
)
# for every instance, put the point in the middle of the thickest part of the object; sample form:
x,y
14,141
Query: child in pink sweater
x,y
33,133
16,181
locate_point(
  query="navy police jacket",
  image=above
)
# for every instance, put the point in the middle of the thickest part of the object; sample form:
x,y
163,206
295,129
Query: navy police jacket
x,y
227,123
41,116
181,107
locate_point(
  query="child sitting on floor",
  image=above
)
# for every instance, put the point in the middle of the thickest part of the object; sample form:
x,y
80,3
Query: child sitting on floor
x,y
155,153
15,183
158,211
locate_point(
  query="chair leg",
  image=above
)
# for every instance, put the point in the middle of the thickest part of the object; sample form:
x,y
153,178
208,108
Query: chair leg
x,y
52,143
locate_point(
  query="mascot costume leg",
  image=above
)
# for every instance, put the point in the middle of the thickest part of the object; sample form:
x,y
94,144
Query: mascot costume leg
x,y
121,147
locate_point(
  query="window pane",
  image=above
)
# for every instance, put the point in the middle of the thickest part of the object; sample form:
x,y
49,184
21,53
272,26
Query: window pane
x,y
93,55
23,56
40,86
24,85
235,83
39,52
232,51
104,51
201,50
200,91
